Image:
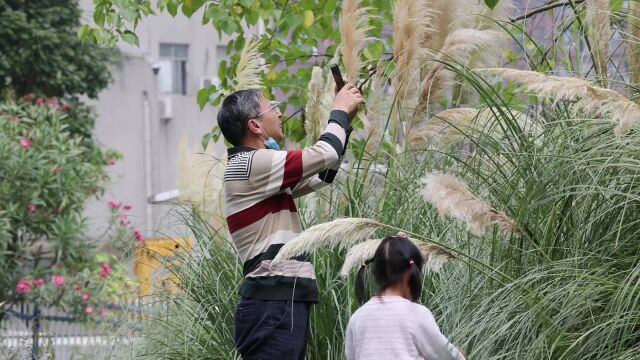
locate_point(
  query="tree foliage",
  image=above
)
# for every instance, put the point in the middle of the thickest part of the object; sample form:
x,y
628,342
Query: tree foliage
x,y
40,52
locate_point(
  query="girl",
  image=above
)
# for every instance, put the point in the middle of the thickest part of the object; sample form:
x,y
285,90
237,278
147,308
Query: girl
x,y
392,325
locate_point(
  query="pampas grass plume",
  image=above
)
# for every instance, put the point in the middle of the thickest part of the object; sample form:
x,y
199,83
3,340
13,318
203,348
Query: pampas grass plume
x,y
250,67
460,46
452,197
318,106
587,96
200,182
599,32
353,31
411,23
340,233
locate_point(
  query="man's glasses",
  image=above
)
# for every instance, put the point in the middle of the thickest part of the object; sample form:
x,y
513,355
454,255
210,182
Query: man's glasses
x,y
275,105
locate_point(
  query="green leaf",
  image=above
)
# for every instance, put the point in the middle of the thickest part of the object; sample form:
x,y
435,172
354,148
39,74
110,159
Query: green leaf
x,y
203,96
330,6
205,138
239,44
252,17
222,69
162,4
491,3
130,38
172,8
129,14
228,26
218,99
98,17
83,32
190,7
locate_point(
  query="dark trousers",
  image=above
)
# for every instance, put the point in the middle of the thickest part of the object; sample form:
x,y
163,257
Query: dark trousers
x,y
271,329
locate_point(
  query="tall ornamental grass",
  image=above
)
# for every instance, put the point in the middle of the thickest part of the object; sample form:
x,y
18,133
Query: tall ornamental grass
x,y
530,186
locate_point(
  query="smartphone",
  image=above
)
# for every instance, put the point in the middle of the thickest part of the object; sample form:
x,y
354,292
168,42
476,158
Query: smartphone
x,y
337,76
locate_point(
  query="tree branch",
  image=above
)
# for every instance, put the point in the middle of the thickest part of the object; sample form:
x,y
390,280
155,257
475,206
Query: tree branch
x,y
545,8
305,57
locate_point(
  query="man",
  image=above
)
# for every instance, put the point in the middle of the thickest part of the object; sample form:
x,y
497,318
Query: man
x,y
260,183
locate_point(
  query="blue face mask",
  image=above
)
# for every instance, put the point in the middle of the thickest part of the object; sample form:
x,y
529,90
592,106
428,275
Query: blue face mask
x,y
270,143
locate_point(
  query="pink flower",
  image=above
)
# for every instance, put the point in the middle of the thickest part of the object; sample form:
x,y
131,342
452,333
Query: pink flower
x,y
25,143
31,207
77,288
52,102
57,280
138,235
113,205
39,282
88,310
102,312
24,286
56,170
126,207
85,297
106,270
40,101
112,162
123,220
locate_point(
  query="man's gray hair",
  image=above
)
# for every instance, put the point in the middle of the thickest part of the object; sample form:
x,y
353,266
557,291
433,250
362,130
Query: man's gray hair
x,y
235,112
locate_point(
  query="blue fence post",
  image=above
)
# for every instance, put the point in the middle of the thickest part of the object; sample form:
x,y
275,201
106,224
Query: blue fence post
x,y
36,332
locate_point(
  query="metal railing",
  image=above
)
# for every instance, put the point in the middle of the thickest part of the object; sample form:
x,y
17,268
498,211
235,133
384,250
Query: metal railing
x,y
32,332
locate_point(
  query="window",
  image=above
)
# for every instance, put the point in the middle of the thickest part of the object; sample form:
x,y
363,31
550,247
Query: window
x,y
173,69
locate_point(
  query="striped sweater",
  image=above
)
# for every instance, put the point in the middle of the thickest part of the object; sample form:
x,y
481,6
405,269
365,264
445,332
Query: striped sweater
x,y
260,186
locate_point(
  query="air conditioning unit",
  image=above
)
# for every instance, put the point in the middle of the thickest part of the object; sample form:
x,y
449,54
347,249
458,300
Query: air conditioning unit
x,y
205,82
165,108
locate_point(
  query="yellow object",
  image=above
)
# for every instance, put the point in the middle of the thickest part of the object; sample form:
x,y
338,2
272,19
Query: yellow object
x,y
150,264
271,75
308,18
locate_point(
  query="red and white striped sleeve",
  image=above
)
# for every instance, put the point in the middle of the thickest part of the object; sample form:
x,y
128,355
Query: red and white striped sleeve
x,y
276,170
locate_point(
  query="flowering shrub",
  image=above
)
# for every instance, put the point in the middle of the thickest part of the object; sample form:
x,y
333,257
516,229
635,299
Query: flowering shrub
x,y
123,235
83,294
49,166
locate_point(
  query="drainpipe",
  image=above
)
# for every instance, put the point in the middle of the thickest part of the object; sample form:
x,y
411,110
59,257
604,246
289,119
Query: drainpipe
x,y
146,113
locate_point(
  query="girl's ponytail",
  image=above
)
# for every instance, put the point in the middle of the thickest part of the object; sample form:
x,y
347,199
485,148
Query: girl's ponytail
x,y
415,279
360,284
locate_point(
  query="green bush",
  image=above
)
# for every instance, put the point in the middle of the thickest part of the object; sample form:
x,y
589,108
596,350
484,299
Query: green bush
x,y
48,170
